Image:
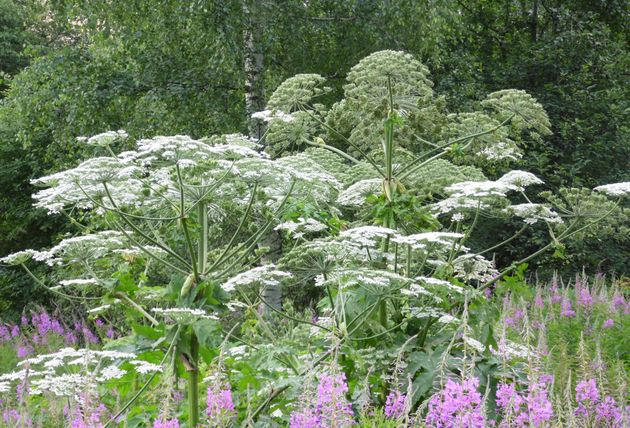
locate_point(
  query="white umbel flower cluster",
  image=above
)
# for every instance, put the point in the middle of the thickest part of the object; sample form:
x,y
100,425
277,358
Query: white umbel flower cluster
x,y
469,195
532,213
70,372
509,350
354,195
367,236
263,275
269,115
184,151
85,247
439,284
520,179
84,186
499,151
365,277
474,267
184,315
25,255
145,367
104,139
615,189
416,290
422,241
474,344
302,226
75,356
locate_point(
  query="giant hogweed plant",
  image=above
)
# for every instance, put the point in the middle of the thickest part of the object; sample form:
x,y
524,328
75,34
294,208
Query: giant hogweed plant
x,y
372,195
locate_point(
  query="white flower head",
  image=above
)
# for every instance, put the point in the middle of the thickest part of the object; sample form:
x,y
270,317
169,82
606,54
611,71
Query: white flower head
x,y
367,236
521,179
615,189
511,350
24,256
354,195
474,344
104,139
265,275
474,267
269,115
184,315
301,226
531,213
145,367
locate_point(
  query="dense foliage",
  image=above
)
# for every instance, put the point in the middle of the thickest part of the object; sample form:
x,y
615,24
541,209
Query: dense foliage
x,y
313,214
368,206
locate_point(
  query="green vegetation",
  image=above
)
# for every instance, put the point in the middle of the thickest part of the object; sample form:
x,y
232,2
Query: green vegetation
x,y
313,214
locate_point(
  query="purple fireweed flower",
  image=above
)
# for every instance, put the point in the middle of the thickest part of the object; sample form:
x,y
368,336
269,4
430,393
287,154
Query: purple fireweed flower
x,y
24,320
99,322
329,408
5,334
86,416
567,311
587,396
22,390
556,296
88,334
538,405
332,405
608,323
220,405
70,338
11,417
15,331
457,405
618,300
608,413
110,333
395,404
508,397
306,418
538,301
586,390
56,327
42,322
166,423
518,411
547,378
177,396
23,350
584,298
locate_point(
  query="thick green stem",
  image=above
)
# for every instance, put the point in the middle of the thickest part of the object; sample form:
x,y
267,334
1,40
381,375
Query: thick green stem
x,y
382,312
193,382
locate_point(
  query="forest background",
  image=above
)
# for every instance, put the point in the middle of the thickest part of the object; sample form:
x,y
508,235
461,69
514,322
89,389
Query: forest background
x,y
71,68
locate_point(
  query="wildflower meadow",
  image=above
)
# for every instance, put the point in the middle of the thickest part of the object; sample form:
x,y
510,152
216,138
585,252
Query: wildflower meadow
x,y
368,254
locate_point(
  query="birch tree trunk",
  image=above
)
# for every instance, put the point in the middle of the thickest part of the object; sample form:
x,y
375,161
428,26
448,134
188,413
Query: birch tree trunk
x,y
254,101
272,294
254,66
